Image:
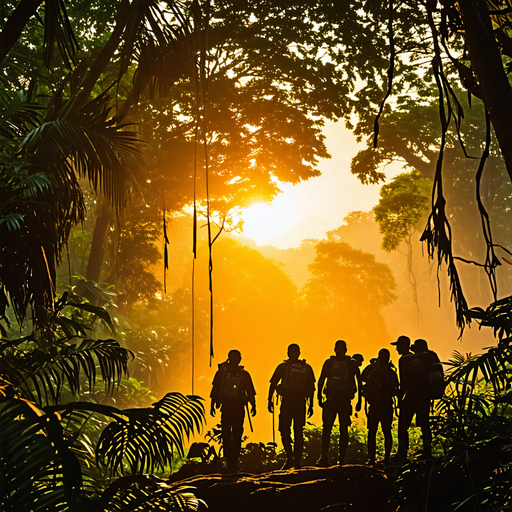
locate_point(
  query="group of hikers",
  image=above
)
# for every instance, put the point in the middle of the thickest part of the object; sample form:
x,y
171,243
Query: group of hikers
x,y
421,380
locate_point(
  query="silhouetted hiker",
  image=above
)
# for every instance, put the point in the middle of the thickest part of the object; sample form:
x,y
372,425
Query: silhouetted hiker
x,y
434,367
380,388
294,381
368,369
232,390
340,372
413,399
364,378
359,359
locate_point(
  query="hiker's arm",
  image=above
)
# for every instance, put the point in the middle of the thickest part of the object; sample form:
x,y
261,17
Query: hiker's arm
x,y
397,386
273,385
359,389
311,397
401,384
321,382
271,396
251,395
214,394
252,400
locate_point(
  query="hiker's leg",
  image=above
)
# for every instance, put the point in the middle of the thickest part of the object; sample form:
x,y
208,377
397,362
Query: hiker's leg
x,y
343,444
372,434
226,423
237,433
404,422
328,417
386,422
299,420
285,425
423,421
344,418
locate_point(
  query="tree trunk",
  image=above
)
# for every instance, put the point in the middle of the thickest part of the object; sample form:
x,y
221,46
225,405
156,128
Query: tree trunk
x,y
15,25
487,67
104,220
105,55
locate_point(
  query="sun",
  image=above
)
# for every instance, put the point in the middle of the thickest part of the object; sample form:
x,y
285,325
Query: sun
x,y
263,221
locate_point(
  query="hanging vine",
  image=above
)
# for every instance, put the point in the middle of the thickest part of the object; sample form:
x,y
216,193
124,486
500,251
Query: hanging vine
x,y
445,23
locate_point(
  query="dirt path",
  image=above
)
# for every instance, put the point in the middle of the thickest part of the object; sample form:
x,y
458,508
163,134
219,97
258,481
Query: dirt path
x,y
311,489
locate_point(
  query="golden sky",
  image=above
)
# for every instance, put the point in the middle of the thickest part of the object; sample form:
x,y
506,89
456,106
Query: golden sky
x,y
310,208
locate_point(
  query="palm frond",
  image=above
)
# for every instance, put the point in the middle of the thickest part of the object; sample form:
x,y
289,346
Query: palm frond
x,y
37,470
58,30
18,115
40,167
498,316
491,366
145,492
13,221
145,439
99,147
42,375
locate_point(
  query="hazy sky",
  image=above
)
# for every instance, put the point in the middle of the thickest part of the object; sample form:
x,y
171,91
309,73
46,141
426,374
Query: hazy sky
x,y
310,208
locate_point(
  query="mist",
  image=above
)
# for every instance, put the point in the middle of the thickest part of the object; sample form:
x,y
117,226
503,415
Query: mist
x,y
266,298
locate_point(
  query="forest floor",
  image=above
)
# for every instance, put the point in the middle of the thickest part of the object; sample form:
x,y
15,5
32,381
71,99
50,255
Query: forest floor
x,y
475,477
352,488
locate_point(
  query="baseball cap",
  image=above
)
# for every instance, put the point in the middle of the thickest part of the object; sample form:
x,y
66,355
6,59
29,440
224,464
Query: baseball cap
x,y
402,340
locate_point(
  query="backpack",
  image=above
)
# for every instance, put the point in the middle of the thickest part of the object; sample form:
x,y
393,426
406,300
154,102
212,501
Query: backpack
x,y
436,382
339,380
231,385
417,376
297,378
381,385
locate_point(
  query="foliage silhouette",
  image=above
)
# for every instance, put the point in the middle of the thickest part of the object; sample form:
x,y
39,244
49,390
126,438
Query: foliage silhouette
x,y
63,145
60,437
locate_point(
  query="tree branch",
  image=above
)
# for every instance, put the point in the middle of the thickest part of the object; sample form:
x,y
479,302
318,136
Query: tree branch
x,y
15,25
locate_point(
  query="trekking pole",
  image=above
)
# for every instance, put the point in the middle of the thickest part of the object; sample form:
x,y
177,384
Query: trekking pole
x,y
248,415
273,423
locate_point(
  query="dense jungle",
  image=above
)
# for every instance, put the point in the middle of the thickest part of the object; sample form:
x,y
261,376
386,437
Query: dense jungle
x,y
135,137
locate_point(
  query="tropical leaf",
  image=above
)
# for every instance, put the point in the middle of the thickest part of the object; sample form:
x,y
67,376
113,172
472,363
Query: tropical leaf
x,y
96,310
57,29
98,145
145,439
41,163
94,290
41,374
13,221
498,316
493,367
18,116
37,470
145,492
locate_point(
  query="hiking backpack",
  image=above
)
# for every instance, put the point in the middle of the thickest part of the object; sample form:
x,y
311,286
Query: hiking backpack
x,y
416,372
436,382
339,380
381,385
231,385
297,378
